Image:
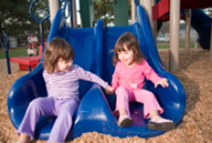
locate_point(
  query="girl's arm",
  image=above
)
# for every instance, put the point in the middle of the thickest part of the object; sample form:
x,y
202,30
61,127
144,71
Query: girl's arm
x,y
109,90
163,82
150,73
115,78
86,75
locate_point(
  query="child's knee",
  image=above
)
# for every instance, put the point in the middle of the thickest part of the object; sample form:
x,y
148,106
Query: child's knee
x,y
35,103
121,90
122,94
150,96
68,109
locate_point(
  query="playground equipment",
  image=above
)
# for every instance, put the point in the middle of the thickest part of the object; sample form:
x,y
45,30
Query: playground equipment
x,y
25,63
92,46
202,25
203,28
32,48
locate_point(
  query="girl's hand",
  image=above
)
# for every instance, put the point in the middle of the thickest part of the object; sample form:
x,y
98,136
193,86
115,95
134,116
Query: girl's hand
x,y
109,90
163,82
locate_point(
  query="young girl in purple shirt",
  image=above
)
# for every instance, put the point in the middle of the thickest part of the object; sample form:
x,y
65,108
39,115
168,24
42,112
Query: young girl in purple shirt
x,y
62,82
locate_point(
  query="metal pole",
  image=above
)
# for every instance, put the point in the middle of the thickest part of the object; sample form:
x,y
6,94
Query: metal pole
x,y
174,35
8,62
155,24
187,30
132,11
6,49
74,14
54,6
211,44
147,4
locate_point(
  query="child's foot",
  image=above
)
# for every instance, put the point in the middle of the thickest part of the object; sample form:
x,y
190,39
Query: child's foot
x,y
124,120
158,123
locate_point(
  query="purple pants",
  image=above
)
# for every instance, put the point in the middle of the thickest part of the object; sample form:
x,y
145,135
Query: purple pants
x,y
124,96
64,109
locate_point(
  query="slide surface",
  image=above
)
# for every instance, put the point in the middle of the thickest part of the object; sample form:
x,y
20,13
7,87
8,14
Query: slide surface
x,y
92,52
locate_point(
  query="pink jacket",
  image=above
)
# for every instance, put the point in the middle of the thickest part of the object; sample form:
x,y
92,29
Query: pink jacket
x,y
134,77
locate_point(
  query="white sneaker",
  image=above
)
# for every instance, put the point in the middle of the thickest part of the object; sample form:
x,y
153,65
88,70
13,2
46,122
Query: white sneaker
x,y
124,120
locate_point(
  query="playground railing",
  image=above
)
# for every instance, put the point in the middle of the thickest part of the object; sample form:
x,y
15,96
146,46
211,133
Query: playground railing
x,y
6,49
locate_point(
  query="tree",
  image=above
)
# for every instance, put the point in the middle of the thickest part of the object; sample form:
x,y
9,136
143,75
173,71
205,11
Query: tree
x,y
15,17
103,9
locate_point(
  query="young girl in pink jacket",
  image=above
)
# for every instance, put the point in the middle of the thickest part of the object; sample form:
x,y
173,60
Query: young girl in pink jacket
x,y
128,79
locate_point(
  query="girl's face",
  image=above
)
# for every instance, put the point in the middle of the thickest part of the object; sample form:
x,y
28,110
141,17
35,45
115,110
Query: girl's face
x,y
126,57
63,65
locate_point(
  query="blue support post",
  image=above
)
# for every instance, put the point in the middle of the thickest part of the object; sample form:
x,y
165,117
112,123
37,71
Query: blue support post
x,y
6,49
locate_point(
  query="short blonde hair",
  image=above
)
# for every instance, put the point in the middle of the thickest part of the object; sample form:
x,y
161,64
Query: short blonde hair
x,y
57,48
131,43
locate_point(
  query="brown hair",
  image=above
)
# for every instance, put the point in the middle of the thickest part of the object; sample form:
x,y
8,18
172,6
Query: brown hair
x,y
131,43
57,48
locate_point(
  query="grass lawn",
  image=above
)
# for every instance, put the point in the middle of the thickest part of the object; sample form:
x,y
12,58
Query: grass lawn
x,y
165,45
14,52
19,52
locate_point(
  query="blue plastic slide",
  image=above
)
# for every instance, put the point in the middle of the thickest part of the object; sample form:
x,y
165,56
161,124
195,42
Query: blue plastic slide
x,y
92,47
202,24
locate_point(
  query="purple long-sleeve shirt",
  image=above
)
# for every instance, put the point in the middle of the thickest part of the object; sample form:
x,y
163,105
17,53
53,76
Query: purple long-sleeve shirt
x,y
66,84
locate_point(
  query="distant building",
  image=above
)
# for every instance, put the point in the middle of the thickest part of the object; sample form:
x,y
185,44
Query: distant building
x,y
163,33
193,33
161,37
13,42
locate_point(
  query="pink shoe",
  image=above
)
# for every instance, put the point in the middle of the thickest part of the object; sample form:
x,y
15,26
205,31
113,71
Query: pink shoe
x,y
124,121
163,124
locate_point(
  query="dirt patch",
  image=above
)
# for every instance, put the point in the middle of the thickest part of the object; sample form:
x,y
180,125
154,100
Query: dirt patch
x,y
195,73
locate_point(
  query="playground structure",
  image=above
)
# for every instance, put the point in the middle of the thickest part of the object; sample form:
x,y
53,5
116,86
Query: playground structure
x,y
25,63
98,117
30,62
162,10
192,15
159,10
32,48
94,44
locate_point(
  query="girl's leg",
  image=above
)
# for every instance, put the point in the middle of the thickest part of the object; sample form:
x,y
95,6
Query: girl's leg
x,y
24,138
152,109
65,111
122,100
150,102
122,106
37,108
159,123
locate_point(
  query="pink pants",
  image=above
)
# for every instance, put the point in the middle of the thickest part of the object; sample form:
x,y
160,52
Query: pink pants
x,y
124,96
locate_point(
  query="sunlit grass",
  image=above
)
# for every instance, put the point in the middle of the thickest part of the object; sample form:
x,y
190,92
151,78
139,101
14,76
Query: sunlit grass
x,y
165,45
